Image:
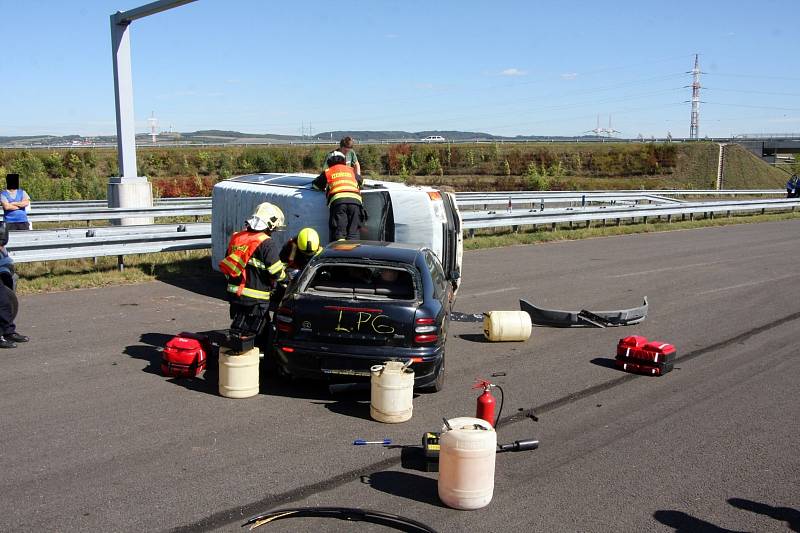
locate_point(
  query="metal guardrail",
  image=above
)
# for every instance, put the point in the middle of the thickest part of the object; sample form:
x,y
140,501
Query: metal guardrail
x,y
57,214
70,204
48,245
481,220
657,192
76,210
562,198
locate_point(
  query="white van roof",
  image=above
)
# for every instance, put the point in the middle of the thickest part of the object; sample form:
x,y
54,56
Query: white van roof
x,y
302,180
235,198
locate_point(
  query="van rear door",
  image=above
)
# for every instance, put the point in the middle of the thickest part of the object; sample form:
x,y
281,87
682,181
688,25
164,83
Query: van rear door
x,y
379,225
452,241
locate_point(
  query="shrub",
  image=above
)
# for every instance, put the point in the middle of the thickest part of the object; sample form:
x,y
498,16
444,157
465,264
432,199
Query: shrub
x,y
396,157
315,159
29,166
370,158
433,166
264,162
534,180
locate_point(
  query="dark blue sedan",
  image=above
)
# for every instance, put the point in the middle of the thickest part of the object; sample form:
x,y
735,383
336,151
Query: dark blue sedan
x,y
361,303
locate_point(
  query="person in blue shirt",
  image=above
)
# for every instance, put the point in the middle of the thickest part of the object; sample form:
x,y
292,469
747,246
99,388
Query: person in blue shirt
x,y
14,201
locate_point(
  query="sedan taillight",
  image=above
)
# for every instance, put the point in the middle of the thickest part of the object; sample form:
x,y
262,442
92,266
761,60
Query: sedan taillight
x,y
426,330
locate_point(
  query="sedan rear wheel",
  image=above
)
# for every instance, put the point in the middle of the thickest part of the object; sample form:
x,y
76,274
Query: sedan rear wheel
x,y
438,383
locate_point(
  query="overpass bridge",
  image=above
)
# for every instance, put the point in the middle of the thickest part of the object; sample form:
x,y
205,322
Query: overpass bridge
x,y
769,146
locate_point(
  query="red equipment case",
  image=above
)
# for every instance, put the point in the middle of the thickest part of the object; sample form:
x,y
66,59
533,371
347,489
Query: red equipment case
x,y
183,356
637,349
658,369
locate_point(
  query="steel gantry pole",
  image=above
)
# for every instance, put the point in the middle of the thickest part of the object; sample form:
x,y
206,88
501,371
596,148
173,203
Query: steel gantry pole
x,y
129,189
694,123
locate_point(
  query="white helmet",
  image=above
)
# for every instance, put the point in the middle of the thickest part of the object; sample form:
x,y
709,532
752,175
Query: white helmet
x,y
336,158
267,217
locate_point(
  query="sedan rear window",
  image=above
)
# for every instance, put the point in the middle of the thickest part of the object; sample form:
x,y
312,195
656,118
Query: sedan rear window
x,y
362,280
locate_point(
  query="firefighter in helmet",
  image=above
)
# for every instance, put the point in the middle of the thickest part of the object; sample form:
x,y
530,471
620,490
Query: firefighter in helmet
x,y
253,270
342,188
297,252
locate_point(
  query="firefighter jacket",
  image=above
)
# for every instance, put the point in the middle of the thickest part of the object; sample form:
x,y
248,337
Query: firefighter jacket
x,y
341,184
252,267
293,258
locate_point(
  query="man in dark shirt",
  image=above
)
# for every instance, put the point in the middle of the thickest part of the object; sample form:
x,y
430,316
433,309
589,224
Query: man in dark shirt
x,y
342,188
8,299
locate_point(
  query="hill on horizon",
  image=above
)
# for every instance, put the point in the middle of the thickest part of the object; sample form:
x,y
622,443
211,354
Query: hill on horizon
x,y
230,136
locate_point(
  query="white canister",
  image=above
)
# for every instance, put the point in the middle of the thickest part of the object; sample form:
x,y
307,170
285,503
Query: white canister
x,y
466,463
391,392
507,326
238,373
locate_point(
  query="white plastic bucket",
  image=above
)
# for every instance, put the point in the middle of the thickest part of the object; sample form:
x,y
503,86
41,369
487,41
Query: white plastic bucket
x,y
466,463
507,326
391,392
238,373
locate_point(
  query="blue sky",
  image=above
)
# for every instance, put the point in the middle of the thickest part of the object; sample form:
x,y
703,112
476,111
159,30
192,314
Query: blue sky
x,y
507,67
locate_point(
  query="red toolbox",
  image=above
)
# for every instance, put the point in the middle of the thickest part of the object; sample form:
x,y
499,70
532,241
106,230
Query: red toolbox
x,y
658,369
183,356
638,349
634,342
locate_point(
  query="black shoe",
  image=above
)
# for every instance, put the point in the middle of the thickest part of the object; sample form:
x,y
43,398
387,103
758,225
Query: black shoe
x,y
5,343
16,337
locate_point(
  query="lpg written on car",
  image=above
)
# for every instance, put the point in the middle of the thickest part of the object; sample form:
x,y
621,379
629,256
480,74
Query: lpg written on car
x,y
362,303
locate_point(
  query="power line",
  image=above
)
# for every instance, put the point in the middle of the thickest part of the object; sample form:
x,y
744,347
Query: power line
x,y
754,106
748,92
759,76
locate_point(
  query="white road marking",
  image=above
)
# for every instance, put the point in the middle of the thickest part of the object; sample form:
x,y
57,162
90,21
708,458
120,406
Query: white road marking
x,y
666,269
749,284
484,293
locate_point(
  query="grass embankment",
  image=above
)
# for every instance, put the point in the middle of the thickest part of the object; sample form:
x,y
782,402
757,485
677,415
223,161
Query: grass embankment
x,y
741,165
66,275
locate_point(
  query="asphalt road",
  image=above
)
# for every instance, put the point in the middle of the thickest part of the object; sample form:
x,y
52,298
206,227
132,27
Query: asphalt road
x,y
93,438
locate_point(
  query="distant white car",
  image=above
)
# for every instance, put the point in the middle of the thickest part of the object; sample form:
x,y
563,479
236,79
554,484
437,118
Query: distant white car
x,y
434,139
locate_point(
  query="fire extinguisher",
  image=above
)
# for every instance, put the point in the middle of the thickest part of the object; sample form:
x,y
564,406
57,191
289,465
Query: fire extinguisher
x,y
486,402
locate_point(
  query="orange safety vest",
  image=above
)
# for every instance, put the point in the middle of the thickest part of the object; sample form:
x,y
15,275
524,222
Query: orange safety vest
x,y
342,183
241,248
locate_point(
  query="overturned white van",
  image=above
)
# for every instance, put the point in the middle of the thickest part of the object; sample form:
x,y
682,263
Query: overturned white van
x,y
422,216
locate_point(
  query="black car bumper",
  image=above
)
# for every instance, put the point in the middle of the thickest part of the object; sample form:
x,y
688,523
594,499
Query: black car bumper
x,y
352,363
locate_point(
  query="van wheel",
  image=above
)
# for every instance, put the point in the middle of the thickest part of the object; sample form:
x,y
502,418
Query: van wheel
x,y
438,383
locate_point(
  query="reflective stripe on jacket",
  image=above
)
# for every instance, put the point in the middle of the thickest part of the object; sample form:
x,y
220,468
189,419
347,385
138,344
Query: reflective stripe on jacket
x,y
240,251
252,293
342,183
